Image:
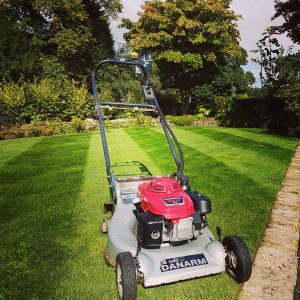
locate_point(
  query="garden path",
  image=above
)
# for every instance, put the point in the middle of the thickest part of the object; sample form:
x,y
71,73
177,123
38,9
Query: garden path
x,y
275,266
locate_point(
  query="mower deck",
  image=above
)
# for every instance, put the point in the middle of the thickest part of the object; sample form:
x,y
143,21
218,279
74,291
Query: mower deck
x,y
201,257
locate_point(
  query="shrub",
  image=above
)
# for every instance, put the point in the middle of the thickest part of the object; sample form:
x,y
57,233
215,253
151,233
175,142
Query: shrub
x,y
117,124
8,115
12,99
13,94
140,120
223,107
46,100
202,112
144,120
60,127
78,124
182,120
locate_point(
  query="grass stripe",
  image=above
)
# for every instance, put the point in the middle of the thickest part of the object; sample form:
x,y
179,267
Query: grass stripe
x,y
125,149
13,148
88,276
255,134
241,154
37,215
52,195
240,204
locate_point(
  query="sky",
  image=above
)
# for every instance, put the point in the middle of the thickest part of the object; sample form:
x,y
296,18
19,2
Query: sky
x,y
256,17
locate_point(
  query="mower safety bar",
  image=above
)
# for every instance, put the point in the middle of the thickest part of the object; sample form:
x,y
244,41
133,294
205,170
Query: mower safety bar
x,y
127,104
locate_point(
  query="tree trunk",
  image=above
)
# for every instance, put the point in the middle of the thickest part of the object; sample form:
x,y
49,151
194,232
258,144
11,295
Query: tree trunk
x,y
186,99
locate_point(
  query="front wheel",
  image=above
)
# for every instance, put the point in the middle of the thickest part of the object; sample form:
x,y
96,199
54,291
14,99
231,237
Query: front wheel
x,y
126,276
238,259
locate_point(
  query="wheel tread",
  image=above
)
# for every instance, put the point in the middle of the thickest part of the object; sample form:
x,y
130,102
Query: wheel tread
x,y
244,268
126,262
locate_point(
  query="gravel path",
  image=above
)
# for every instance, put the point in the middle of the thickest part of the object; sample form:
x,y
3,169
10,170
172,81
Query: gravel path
x,y
275,265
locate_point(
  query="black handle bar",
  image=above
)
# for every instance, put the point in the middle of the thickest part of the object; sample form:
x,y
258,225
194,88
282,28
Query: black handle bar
x,y
114,61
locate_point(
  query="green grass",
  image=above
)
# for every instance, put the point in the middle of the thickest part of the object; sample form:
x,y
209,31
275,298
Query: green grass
x,y
52,190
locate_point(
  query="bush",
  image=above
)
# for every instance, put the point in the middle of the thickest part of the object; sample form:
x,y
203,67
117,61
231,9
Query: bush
x,y
12,99
144,120
60,127
109,124
182,120
8,115
202,112
37,129
223,108
47,100
78,124
140,120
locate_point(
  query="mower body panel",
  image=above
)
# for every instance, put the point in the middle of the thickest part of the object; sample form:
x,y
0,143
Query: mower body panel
x,y
201,257
198,258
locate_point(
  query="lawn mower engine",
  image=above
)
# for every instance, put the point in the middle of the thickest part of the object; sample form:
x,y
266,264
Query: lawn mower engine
x,y
168,211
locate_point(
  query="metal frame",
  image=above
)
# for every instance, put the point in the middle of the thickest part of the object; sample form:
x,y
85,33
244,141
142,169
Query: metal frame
x,y
151,104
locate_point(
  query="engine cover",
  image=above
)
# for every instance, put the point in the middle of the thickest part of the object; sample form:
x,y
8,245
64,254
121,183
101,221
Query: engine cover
x,y
165,197
183,230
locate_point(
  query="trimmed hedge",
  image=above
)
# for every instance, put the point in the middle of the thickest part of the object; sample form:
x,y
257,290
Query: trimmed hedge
x,y
274,114
182,120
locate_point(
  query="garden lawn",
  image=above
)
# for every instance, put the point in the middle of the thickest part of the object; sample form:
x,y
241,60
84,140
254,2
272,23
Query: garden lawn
x,y
53,189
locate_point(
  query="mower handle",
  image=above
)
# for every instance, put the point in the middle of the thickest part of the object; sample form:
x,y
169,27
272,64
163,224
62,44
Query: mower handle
x,y
154,105
114,61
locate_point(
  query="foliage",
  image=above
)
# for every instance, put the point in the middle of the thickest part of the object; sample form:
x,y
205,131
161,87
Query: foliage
x,y
139,121
182,120
189,40
223,108
78,124
74,34
12,100
290,11
144,120
288,86
8,115
269,50
280,75
231,82
42,128
48,99
119,83
202,112
276,114
232,79
39,129
288,69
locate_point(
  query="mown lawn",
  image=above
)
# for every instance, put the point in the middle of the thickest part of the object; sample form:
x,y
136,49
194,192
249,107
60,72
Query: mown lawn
x,y
52,190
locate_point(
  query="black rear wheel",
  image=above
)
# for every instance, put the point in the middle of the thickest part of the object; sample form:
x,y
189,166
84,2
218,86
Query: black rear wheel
x,y
238,259
126,276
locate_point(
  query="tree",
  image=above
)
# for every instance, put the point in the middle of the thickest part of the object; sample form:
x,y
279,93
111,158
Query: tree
x,y
189,40
269,50
290,11
231,82
288,87
232,79
50,34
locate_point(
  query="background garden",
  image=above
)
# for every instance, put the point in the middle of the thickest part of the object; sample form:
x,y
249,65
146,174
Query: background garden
x,y
52,187
49,48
